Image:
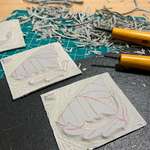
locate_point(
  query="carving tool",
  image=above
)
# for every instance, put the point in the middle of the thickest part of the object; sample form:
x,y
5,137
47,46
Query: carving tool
x,y
130,61
134,36
67,2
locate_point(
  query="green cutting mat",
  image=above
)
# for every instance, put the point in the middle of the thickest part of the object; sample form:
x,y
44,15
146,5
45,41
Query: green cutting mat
x,y
32,40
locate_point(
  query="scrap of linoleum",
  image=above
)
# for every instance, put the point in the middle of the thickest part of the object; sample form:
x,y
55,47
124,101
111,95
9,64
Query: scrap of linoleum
x,y
90,113
11,36
36,68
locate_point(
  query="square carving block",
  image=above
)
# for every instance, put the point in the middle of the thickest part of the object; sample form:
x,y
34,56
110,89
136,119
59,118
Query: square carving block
x,y
11,36
90,113
36,68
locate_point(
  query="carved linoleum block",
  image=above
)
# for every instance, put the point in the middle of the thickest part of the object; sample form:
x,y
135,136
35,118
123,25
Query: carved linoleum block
x,y
90,113
37,68
11,36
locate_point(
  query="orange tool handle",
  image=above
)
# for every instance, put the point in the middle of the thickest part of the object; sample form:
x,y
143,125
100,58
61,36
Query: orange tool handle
x,y
134,36
135,61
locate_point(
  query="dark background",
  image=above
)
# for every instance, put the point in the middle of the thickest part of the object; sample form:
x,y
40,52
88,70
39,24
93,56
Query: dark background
x,y
24,124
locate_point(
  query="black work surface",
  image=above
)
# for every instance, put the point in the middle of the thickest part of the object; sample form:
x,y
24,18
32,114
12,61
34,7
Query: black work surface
x,y
25,126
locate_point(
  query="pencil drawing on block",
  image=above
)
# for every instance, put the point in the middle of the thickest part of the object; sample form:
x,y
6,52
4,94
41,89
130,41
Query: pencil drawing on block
x,y
37,68
90,113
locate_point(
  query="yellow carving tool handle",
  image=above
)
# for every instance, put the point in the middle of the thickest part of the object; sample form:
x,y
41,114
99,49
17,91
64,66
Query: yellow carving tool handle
x,y
134,36
135,61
